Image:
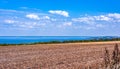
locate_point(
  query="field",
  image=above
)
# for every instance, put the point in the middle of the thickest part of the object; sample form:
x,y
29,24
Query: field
x,y
55,56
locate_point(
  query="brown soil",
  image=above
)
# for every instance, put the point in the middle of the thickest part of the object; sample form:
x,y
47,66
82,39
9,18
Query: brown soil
x,y
54,56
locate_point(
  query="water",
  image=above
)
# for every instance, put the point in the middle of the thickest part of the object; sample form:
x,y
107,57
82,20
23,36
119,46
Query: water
x,y
32,39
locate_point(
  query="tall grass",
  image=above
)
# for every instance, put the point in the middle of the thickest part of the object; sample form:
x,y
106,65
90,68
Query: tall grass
x,y
106,58
113,61
110,61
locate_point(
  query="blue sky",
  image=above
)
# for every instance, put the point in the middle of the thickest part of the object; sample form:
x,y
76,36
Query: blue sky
x,y
59,18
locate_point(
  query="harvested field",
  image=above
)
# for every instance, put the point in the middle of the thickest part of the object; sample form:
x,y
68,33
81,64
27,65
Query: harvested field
x,y
54,56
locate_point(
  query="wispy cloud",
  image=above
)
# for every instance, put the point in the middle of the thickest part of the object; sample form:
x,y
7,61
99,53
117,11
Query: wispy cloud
x,y
28,20
45,17
114,15
88,20
102,18
9,21
23,7
7,10
59,12
67,24
108,18
33,16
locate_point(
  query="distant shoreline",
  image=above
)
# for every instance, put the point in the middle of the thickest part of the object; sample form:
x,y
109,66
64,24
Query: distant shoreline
x,y
66,41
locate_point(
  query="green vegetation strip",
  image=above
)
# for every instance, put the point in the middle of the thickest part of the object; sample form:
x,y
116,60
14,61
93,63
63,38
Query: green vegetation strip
x,y
67,41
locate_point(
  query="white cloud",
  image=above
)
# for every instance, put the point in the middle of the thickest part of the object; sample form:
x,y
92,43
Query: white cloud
x,y
108,18
31,25
9,21
59,12
8,10
114,15
33,16
88,20
67,24
45,17
102,18
90,27
99,25
53,19
37,20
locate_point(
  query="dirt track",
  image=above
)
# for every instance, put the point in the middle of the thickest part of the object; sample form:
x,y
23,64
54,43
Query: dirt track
x,y
54,56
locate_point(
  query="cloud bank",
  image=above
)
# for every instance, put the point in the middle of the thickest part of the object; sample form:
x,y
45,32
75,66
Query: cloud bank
x,y
42,22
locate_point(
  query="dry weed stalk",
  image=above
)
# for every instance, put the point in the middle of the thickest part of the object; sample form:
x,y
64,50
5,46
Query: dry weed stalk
x,y
106,58
114,62
115,56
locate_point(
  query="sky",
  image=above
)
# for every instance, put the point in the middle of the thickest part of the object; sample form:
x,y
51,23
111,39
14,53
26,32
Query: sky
x,y
59,17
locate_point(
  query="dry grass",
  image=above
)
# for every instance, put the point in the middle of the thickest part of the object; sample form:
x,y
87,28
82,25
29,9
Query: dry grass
x,y
55,56
112,61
